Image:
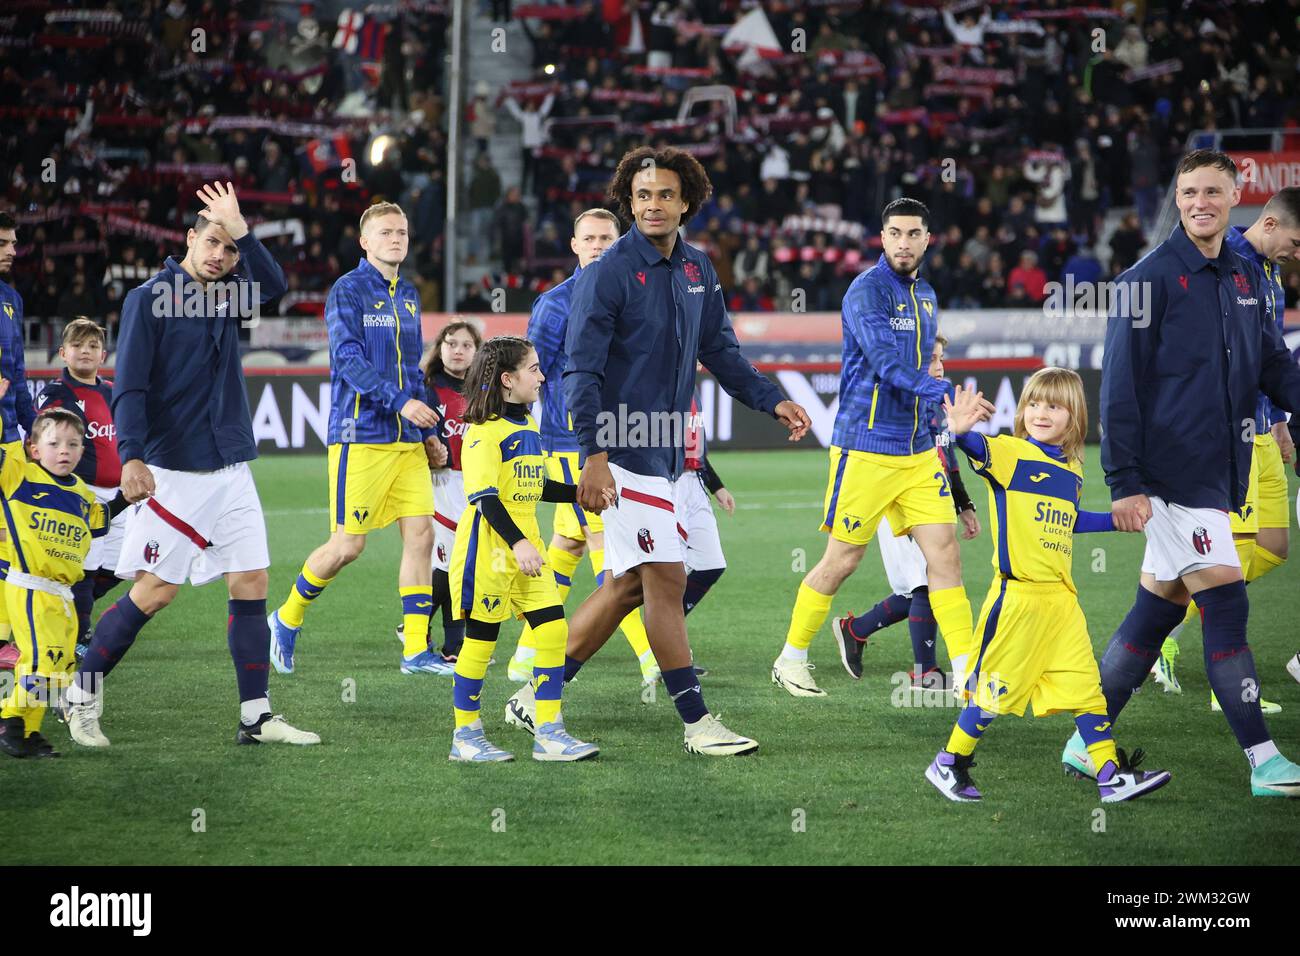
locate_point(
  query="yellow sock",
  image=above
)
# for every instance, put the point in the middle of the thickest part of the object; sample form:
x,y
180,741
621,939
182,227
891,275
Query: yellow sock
x,y
952,613
32,718
1192,612
471,668
1262,562
808,616
1245,552
417,609
633,629
562,565
961,743
1103,751
306,589
548,670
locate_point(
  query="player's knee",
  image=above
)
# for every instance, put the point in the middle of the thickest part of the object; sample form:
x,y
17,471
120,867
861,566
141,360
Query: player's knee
x,y
418,536
151,594
346,548
569,545
248,585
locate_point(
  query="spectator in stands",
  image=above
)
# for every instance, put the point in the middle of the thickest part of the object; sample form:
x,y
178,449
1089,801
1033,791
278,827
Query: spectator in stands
x,y
482,116
474,300
533,136
508,226
993,289
750,297
1029,277
484,192
1082,267
79,299
750,261
1126,242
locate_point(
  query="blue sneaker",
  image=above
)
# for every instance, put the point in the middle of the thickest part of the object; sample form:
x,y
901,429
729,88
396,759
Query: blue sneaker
x,y
282,640
1275,777
428,662
469,745
554,743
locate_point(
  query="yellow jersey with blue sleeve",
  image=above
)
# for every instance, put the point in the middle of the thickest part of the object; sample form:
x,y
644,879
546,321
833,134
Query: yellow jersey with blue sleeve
x,y
500,458
50,519
1033,504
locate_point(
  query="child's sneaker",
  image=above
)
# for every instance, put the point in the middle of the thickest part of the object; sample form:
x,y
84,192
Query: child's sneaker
x,y
1125,782
470,745
553,742
13,740
950,774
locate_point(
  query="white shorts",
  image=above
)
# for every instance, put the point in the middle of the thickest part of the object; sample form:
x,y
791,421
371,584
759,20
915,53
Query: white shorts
x,y
448,505
105,551
1181,540
695,513
643,527
903,560
197,526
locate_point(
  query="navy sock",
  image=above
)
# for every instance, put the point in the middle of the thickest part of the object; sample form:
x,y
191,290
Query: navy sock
x,y
453,636
684,688
114,635
83,599
889,611
571,667
249,639
697,585
924,630
1134,647
1229,664
105,581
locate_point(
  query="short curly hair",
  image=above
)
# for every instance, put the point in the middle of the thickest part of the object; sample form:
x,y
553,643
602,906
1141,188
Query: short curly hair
x,y
696,188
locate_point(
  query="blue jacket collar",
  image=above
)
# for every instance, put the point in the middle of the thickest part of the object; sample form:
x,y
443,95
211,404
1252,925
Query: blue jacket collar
x,y
1193,258
1236,238
374,273
645,250
1051,451
901,279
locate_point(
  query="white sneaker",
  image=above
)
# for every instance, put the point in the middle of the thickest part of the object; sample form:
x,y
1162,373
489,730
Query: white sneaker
x,y
521,709
709,737
83,724
1265,706
796,677
1293,667
274,730
555,743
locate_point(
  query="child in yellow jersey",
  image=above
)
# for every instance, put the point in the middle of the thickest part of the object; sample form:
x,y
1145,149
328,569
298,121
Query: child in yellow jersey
x,y
50,515
497,570
1033,640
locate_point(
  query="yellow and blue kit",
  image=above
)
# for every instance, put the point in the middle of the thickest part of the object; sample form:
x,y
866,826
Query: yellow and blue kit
x,y
50,521
1031,633
505,477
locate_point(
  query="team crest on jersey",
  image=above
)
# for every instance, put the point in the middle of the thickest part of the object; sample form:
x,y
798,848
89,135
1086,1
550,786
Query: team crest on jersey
x,y
490,602
151,552
693,273
929,309
997,687
1201,541
1243,284
410,307
646,542
361,514
9,310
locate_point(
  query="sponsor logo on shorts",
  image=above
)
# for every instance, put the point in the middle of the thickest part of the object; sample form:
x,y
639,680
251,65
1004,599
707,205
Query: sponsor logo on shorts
x,y
442,554
646,542
151,552
1201,541
490,602
361,514
851,523
997,687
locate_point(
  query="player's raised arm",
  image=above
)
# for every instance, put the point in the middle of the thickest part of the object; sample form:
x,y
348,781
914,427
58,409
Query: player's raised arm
x,y
256,262
866,314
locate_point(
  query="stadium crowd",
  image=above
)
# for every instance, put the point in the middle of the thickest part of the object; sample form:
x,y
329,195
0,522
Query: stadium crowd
x,y
880,99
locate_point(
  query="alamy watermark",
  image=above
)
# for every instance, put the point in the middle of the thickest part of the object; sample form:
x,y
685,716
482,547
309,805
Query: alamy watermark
x,y
1077,300
627,428
224,298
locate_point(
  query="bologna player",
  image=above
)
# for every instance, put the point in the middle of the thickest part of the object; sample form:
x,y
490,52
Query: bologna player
x,y
643,316
1178,382
381,442
81,391
185,436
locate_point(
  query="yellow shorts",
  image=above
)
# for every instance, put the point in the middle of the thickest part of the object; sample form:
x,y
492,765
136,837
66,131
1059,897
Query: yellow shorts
x,y
864,487
571,521
486,583
44,631
371,486
1246,521
1273,502
1034,649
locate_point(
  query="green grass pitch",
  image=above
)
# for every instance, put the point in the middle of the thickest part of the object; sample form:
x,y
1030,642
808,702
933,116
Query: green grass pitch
x,y
838,780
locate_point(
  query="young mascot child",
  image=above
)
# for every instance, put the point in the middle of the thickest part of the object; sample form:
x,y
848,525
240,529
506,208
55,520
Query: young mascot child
x,y
1033,639
51,516
497,569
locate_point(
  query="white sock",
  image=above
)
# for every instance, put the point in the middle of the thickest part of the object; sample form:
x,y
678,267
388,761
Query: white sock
x,y
250,711
792,653
525,653
1260,754
647,656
